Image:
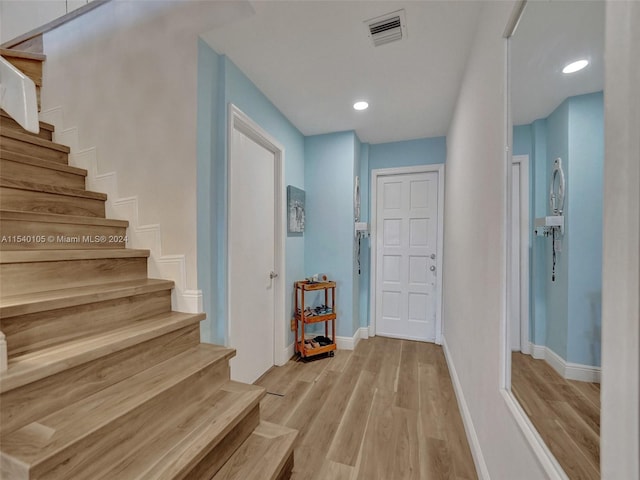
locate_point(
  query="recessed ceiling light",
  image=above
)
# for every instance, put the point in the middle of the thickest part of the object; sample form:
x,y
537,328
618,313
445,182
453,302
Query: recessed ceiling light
x,y
575,66
360,105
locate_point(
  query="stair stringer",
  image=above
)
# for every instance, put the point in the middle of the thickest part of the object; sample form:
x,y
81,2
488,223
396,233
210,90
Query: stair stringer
x,y
170,267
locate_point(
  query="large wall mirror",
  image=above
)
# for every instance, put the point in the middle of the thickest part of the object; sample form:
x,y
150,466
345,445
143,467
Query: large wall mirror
x,y
556,255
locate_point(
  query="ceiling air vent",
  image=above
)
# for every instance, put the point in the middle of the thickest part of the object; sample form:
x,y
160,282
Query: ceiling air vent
x,y
387,28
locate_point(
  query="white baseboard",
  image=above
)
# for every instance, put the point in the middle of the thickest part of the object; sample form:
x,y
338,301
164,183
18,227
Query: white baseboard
x,y
568,370
286,355
169,267
472,436
350,343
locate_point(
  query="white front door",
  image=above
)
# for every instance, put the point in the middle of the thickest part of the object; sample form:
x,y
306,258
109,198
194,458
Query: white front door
x,y
251,257
406,255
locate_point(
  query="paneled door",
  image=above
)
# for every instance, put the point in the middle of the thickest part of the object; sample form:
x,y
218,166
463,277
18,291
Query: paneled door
x,y
406,255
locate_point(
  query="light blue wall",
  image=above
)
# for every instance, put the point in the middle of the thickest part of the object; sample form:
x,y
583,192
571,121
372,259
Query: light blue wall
x,y
364,242
328,238
206,152
357,158
539,247
586,158
522,140
566,313
324,166
221,83
248,98
557,291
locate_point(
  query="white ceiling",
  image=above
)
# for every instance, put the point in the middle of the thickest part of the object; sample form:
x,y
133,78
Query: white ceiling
x,y
313,60
550,35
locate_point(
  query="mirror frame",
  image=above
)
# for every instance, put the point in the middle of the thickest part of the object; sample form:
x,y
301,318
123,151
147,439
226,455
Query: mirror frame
x,y
538,445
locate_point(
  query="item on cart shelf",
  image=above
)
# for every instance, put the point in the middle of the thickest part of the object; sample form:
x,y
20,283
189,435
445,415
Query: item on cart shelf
x,y
323,341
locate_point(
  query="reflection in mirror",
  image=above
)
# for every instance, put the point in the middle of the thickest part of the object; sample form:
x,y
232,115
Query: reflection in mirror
x,y
556,258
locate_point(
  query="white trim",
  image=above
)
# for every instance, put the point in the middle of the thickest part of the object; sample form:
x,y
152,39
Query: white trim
x,y
548,461
537,351
523,160
287,354
472,436
243,123
170,267
381,172
350,343
568,370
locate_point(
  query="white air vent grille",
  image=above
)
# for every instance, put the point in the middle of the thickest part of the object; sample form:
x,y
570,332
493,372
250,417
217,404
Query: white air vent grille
x,y
387,28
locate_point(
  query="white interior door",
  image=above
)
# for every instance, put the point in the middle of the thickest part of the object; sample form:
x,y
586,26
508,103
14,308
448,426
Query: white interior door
x,y
519,300
406,255
251,257
515,258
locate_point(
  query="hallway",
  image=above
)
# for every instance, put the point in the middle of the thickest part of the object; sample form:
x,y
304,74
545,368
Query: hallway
x,y
384,411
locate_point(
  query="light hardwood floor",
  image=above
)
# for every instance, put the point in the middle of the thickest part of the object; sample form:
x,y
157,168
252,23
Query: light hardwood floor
x,y
384,411
566,413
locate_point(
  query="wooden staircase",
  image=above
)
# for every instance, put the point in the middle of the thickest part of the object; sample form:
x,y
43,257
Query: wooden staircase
x,y
104,380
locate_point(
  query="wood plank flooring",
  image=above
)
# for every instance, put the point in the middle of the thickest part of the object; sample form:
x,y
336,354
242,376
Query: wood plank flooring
x,y
384,411
566,414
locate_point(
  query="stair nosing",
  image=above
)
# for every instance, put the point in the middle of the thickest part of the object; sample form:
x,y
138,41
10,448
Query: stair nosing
x,y
10,52
25,159
44,125
37,256
15,305
39,217
220,354
44,188
32,139
84,350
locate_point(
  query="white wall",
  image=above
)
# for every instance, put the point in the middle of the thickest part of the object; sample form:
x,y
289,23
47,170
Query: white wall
x,y
620,431
125,74
475,255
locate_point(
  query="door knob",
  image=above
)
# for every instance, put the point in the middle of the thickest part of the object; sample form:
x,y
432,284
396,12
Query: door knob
x,y
273,275
432,268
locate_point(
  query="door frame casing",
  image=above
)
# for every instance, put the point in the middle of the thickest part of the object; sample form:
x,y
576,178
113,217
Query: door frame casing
x,y
525,341
238,120
388,172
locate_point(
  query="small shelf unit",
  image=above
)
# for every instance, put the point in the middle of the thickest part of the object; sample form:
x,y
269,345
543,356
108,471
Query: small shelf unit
x,y
302,319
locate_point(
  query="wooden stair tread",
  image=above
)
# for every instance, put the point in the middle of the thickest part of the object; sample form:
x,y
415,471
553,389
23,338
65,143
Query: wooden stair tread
x,y
28,256
39,187
43,125
178,450
41,142
39,217
77,421
37,162
262,456
6,52
54,299
34,366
